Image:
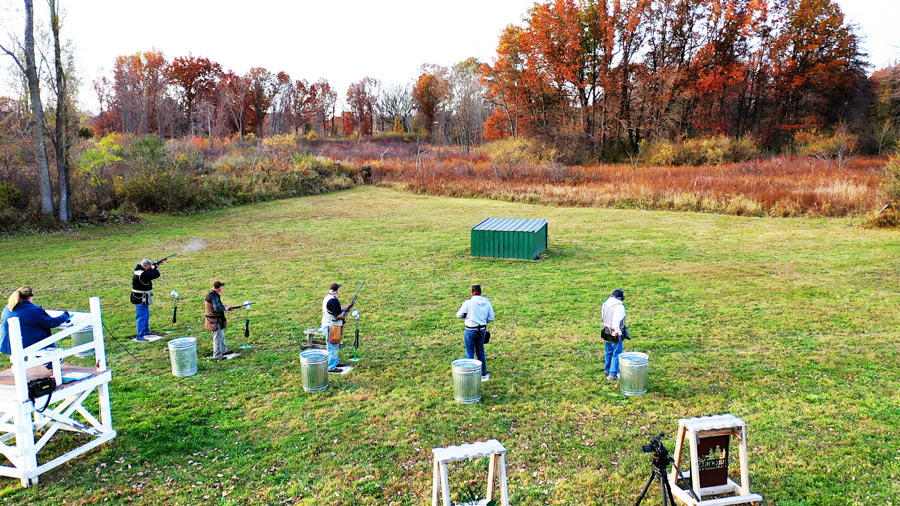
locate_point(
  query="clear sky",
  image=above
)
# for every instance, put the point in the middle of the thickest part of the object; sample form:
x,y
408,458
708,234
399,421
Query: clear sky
x,y
341,40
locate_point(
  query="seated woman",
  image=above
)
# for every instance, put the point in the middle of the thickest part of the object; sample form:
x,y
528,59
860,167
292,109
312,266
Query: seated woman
x,y
33,320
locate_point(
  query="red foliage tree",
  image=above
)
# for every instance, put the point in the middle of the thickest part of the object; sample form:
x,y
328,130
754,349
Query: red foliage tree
x,y
262,86
193,78
322,100
361,98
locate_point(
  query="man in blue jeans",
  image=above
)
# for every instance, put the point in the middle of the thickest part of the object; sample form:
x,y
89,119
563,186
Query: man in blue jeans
x,y
478,312
613,312
333,318
142,295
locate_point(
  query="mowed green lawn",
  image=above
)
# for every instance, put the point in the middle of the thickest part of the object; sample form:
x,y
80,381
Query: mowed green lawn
x,y
791,324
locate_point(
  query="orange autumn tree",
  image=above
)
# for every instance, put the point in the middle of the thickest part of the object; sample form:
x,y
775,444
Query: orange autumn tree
x,y
504,86
431,89
815,61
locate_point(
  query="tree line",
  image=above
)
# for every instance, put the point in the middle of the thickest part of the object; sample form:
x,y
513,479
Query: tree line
x,y
593,79
192,95
614,72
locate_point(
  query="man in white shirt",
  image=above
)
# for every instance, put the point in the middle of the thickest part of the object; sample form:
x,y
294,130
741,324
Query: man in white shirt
x,y
478,312
333,316
613,312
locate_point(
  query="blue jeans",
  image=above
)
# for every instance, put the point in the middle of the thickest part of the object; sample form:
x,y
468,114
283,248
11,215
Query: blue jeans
x,y
332,351
613,350
474,339
142,315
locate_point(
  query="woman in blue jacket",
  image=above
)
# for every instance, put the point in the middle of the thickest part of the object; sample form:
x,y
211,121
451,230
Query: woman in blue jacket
x,y
33,320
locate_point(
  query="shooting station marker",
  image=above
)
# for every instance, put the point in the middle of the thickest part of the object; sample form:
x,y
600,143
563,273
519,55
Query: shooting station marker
x,y
344,369
149,338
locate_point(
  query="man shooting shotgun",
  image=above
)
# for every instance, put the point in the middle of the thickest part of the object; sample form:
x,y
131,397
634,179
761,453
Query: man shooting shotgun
x,y
333,317
142,294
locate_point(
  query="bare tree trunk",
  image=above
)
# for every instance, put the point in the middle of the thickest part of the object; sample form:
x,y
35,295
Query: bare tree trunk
x,y
34,92
62,119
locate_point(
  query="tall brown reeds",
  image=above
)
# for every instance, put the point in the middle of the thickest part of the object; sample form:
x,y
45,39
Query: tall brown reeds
x,y
777,186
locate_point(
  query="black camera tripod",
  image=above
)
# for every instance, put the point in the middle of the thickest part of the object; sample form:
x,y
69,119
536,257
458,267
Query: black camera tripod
x,y
660,461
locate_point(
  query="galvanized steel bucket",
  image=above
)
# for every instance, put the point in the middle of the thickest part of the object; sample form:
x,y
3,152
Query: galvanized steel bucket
x,y
314,370
466,380
633,369
183,354
84,335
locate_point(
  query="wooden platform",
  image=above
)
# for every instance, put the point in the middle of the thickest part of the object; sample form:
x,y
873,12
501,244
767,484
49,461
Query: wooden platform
x,y
28,425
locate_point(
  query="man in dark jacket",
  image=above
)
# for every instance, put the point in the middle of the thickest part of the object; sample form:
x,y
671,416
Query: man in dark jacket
x,y
34,322
333,324
216,321
142,295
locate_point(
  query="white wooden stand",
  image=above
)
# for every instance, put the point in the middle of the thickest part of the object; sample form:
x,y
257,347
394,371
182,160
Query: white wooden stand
x,y
19,419
490,448
693,429
315,338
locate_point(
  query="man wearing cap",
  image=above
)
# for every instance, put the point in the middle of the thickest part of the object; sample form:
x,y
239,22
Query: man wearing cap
x,y
614,332
333,325
142,295
216,321
478,312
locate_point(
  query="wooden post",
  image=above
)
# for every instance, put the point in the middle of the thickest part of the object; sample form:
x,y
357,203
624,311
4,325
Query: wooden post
x,y
18,361
504,491
445,485
100,355
679,445
745,472
97,328
492,469
435,483
695,463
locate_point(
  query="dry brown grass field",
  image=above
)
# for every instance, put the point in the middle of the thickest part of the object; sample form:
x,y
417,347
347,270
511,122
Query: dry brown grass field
x,y
782,186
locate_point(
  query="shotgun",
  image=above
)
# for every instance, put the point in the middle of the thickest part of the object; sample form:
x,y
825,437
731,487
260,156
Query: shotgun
x,y
156,263
353,300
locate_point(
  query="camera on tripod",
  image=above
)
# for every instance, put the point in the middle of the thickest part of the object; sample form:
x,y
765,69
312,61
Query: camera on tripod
x,y
661,461
656,446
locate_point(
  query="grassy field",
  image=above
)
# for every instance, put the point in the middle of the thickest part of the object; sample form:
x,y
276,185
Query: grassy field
x,y
791,324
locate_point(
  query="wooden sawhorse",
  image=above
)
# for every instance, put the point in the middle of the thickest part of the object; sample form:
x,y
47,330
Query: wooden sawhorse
x,y
490,448
694,429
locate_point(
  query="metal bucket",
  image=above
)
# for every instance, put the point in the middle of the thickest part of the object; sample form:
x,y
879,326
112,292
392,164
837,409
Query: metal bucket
x,y
466,380
314,370
633,368
85,335
183,354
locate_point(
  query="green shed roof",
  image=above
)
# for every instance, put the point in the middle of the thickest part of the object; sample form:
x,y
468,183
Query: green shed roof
x,y
511,224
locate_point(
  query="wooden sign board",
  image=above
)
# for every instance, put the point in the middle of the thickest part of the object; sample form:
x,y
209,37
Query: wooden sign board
x,y
712,455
